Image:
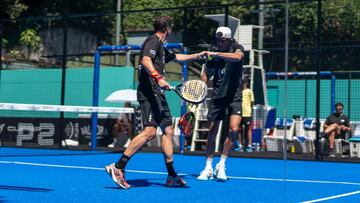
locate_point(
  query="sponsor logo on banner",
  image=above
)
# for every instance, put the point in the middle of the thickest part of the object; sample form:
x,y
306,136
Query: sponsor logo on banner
x,y
47,132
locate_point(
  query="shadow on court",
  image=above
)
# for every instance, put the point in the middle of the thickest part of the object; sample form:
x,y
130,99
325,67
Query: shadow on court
x,y
27,189
138,183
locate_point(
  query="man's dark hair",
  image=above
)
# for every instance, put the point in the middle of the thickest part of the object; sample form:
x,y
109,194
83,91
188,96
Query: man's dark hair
x,y
246,80
161,23
339,104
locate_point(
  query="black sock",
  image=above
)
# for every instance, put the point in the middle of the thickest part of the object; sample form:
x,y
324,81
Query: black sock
x,y
122,162
170,169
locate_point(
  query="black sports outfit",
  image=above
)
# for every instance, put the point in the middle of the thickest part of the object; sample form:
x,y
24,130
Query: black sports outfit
x,y
154,107
227,85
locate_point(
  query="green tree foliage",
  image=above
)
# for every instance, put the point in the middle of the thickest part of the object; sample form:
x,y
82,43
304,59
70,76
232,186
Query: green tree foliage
x,y
189,19
30,39
12,9
142,20
340,26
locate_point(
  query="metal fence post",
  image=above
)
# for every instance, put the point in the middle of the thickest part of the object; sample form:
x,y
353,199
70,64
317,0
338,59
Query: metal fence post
x,y
63,76
94,115
318,57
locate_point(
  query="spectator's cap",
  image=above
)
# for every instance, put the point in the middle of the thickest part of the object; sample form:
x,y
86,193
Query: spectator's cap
x,y
223,32
339,104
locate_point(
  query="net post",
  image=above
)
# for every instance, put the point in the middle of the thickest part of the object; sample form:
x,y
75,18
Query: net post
x,y
94,115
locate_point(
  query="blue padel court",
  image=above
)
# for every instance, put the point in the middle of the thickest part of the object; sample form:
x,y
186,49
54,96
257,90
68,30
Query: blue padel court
x,y
40,175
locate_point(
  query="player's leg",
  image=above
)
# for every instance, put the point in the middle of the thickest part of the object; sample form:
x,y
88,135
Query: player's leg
x,y
215,115
238,146
167,145
219,172
234,111
166,126
167,129
233,131
167,149
117,170
135,144
211,139
150,117
207,172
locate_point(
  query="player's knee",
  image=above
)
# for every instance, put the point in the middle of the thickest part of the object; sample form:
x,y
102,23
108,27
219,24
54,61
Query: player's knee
x,y
169,131
150,133
234,129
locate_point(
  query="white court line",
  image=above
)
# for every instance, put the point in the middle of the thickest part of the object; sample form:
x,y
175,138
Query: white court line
x,y
294,180
333,197
182,174
79,167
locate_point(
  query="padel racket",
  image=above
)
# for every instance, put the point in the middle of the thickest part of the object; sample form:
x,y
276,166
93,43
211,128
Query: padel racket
x,y
186,123
193,91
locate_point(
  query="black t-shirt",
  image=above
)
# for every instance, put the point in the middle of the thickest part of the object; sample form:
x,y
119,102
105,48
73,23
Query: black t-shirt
x,y
227,76
153,48
338,119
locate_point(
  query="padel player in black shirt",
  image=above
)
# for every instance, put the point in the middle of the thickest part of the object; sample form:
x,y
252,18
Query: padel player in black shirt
x,y
226,66
154,107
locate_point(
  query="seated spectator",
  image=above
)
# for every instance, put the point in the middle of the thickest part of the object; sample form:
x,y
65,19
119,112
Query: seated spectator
x,y
122,128
336,126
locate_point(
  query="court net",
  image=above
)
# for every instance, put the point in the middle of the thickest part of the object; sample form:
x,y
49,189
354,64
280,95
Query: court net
x,y
57,126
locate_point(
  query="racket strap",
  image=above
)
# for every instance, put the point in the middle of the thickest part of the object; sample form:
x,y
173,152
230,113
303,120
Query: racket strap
x,y
156,75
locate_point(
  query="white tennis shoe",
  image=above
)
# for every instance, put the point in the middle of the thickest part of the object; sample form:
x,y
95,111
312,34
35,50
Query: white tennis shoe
x,y
206,174
219,173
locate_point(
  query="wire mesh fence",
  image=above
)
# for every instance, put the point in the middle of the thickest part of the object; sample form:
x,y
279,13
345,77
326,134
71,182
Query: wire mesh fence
x,y
66,43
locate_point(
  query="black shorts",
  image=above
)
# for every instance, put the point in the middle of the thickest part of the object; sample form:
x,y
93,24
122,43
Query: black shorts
x,y
218,109
155,111
246,121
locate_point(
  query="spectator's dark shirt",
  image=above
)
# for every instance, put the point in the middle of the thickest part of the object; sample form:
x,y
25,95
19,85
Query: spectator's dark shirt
x,y
339,119
227,76
153,48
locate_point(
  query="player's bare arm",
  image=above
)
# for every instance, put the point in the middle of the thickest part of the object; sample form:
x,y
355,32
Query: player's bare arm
x,y
238,55
189,57
203,75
